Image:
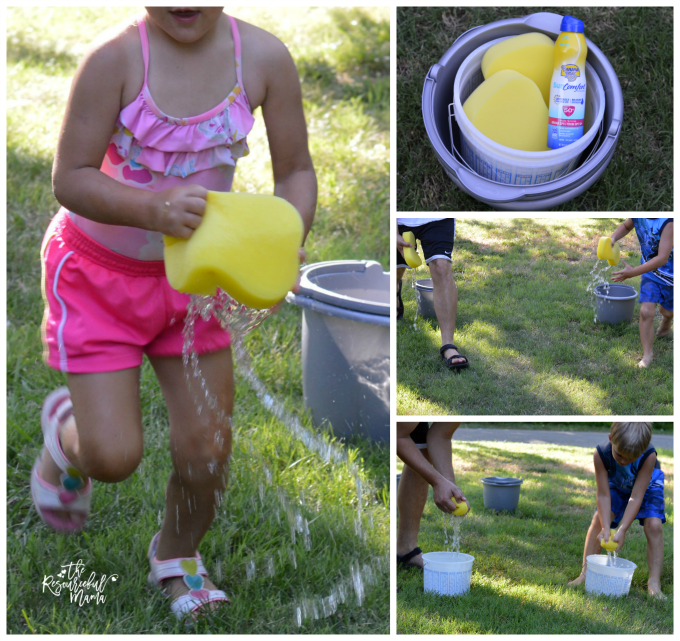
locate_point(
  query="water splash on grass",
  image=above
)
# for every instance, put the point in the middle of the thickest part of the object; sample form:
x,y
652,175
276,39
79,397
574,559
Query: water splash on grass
x,y
599,275
239,321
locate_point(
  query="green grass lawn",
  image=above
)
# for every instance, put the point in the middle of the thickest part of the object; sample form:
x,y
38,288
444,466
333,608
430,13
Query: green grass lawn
x,y
524,559
638,42
343,58
525,322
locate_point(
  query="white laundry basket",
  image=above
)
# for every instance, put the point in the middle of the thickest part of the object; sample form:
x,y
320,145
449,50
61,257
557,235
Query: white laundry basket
x,y
447,573
610,580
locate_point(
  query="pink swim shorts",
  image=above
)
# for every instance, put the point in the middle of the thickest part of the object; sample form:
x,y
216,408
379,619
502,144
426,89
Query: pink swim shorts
x,y
104,311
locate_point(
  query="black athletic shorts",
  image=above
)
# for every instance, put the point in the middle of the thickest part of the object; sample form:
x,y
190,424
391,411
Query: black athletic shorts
x,y
436,239
419,435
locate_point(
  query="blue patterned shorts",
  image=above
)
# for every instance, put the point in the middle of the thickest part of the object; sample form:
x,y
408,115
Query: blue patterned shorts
x,y
652,504
652,291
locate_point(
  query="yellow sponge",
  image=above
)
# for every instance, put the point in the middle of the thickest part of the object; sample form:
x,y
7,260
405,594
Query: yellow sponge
x,y
461,508
532,55
410,253
509,109
246,244
610,545
607,251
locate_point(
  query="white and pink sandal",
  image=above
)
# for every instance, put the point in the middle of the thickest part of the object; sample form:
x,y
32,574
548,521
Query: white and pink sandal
x,y
192,571
74,495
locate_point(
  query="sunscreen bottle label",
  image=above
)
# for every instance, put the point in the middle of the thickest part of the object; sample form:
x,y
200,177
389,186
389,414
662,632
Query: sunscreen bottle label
x,y
567,105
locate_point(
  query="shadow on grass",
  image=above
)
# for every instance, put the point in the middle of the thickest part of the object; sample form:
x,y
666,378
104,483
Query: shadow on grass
x,y
490,608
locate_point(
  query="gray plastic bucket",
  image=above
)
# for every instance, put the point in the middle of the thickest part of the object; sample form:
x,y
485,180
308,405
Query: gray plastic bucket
x,y
346,346
501,492
440,127
425,298
615,303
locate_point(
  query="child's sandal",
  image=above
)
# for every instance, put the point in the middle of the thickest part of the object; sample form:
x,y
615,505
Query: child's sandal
x,y
192,571
74,495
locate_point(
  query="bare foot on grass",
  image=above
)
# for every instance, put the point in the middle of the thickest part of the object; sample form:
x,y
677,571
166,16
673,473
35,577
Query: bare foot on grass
x,y
665,327
646,361
654,590
577,581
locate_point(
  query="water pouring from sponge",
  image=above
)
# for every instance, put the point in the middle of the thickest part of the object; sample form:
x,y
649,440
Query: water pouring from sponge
x,y
246,245
606,250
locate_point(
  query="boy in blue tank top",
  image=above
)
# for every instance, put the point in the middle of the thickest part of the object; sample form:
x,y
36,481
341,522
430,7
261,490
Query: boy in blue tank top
x,y
656,267
629,486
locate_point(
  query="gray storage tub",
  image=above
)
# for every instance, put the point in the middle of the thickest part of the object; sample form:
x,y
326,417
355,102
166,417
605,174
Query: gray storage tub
x,y
437,92
501,492
615,303
425,298
346,346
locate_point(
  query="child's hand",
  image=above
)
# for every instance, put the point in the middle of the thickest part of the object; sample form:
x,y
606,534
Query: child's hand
x,y
179,210
626,272
401,243
620,538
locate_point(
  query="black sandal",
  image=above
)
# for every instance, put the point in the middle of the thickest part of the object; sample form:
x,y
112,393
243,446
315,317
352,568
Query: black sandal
x,y
449,361
400,303
403,560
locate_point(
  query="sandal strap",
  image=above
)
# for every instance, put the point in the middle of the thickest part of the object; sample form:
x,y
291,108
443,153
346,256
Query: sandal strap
x,y
186,604
48,496
405,558
56,409
445,347
172,568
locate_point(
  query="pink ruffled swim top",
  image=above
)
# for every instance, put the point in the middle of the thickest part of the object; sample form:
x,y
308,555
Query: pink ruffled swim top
x,y
152,150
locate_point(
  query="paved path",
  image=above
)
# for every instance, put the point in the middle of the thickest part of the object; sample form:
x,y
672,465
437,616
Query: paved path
x,y
577,439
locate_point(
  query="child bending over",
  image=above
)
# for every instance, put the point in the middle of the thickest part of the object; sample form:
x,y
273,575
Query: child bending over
x,y
629,486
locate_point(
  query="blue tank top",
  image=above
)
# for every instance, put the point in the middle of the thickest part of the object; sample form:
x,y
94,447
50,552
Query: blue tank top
x,y
623,477
649,234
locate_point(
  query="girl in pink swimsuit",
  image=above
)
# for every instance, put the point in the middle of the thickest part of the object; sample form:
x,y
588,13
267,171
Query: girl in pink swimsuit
x,y
147,131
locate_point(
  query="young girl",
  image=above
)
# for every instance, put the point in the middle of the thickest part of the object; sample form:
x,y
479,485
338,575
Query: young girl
x,y
147,131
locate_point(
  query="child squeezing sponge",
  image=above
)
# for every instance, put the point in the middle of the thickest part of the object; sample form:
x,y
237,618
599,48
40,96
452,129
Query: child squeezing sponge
x,y
630,485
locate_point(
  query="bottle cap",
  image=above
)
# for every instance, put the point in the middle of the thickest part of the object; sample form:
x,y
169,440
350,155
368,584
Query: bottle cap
x,y
572,25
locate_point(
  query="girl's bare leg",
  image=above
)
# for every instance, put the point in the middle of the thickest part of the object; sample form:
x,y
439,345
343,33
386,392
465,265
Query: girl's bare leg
x,y
103,439
654,534
200,446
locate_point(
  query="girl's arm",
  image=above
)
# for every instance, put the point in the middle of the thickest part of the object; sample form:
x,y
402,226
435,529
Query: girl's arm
x,y
604,499
665,249
93,106
294,176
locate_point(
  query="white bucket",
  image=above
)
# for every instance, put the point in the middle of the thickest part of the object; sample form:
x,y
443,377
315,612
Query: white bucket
x,y
610,580
447,573
512,166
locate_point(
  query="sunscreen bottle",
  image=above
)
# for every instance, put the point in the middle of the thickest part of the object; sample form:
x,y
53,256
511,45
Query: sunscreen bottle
x,y
567,105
